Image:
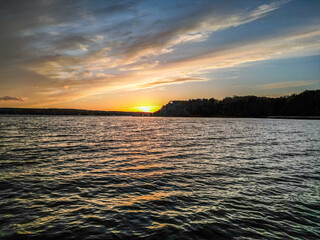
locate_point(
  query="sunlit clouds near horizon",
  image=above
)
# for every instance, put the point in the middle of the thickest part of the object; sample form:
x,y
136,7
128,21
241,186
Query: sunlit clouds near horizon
x,y
122,55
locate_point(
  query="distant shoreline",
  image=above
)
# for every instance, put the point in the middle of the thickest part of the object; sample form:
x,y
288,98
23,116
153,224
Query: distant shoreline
x,y
305,105
66,112
134,114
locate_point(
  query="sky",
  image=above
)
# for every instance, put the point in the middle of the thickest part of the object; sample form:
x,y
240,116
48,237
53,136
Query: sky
x,y
126,55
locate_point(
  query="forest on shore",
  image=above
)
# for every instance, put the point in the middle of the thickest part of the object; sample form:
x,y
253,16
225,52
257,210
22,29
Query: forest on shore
x,y
304,104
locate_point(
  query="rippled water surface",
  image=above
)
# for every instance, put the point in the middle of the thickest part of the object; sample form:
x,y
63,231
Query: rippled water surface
x,y
73,177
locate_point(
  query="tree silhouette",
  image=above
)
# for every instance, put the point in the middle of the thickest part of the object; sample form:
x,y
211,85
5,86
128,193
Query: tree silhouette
x,y
306,103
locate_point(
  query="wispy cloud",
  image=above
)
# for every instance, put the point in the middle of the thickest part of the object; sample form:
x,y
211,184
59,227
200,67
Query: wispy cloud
x,y
300,43
287,84
190,69
195,27
140,66
9,98
171,81
87,66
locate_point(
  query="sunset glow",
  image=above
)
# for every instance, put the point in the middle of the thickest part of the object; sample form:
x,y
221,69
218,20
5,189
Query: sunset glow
x,y
148,109
109,55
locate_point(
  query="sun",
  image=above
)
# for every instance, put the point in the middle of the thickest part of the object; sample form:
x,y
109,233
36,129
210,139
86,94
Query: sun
x,y
148,109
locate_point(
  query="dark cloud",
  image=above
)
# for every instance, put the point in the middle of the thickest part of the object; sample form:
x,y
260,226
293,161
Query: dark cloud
x,y
20,22
114,7
8,98
163,30
42,27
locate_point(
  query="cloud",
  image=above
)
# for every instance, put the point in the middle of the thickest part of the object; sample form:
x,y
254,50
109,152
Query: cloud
x,y
85,73
74,49
194,27
171,81
190,69
299,43
140,66
286,84
77,68
8,98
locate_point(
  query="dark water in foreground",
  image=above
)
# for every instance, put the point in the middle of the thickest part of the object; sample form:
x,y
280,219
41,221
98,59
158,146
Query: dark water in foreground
x,y
159,178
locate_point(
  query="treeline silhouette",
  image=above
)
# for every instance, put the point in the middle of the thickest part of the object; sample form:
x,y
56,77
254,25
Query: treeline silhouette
x,y
306,104
58,111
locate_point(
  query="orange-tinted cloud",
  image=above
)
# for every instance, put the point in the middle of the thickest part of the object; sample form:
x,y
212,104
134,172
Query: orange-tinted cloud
x,y
9,98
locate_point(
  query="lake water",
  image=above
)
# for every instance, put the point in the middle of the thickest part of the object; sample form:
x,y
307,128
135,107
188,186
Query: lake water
x,y
74,177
